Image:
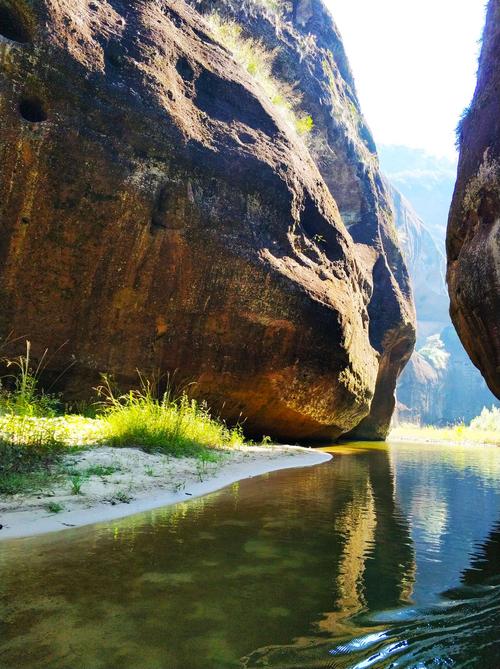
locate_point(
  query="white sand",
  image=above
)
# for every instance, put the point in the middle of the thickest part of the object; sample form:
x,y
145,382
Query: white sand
x,y
142,482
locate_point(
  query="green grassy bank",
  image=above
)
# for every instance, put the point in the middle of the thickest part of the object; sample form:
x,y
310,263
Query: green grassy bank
x,y
485,429
36,433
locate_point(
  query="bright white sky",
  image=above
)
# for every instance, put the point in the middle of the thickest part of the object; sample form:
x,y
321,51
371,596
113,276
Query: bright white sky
x,y
415,64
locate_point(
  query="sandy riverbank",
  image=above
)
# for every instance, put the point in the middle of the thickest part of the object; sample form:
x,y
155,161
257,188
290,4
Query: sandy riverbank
x,y
138,482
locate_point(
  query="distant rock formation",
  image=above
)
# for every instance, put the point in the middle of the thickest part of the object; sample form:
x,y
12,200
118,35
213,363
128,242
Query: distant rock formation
x,y
158,213
440,386
425,180
473,241
426,264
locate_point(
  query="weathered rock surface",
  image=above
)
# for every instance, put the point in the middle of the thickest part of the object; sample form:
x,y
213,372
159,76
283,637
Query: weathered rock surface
x,y
157,214
310,57
473,239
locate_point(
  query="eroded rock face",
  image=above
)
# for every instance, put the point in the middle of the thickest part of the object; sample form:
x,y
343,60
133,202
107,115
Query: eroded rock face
x,y
157,214
310,56
473,241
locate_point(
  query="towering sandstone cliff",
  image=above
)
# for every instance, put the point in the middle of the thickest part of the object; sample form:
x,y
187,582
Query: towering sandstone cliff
x,y
158,212
473,242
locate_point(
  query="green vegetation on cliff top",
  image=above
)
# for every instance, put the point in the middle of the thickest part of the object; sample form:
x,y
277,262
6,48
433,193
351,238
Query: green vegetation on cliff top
x,y
257,60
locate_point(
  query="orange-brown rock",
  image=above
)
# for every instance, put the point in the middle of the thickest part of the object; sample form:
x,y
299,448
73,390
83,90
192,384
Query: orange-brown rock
x,y
310,57
157,214
473,242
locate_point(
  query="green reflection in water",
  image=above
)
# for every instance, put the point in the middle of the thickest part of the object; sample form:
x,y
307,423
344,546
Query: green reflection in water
x,y
280,569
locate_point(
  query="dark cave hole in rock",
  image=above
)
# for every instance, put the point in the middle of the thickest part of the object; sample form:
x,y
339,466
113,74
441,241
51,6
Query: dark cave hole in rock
x,y
319,230
114,54
229,101
246,138
185,69
12,25
32,109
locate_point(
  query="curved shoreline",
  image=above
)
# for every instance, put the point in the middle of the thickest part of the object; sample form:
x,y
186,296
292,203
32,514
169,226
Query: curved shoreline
x,y
31,518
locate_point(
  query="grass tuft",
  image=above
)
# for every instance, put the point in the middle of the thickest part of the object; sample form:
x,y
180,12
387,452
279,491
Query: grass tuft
x,y
178,426
13,483
24,398
121,497
258,61
304,124
485,429
101,470
76,482
54,507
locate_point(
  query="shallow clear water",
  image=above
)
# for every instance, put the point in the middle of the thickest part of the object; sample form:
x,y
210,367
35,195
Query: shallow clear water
x,y
383,557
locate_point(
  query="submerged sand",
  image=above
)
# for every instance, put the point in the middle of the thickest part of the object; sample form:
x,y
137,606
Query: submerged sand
x,y
139,482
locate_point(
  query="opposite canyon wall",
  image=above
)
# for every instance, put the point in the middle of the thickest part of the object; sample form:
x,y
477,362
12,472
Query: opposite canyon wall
x,y
473,242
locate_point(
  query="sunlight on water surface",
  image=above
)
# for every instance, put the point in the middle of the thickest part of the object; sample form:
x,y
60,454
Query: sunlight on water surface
x,y
387,556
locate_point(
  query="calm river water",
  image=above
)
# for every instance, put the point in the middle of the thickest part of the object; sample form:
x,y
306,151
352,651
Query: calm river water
x,y
384,557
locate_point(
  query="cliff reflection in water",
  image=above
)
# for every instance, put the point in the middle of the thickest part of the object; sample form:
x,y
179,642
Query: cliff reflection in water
x,y
447,499
374,567
296,564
